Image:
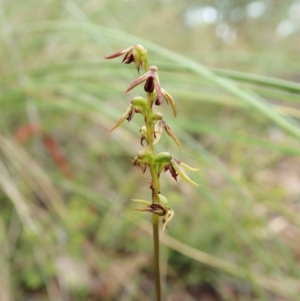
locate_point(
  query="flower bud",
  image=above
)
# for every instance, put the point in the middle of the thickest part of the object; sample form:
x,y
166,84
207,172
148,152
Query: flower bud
x,y
163,201
161,160
136,54
145,156
141,104
163,157
156,116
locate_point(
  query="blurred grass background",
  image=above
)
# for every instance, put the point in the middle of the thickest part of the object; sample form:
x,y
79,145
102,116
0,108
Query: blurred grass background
x,y
67,228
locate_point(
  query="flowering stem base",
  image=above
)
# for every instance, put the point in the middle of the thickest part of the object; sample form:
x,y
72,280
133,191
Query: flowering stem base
x,y
155,226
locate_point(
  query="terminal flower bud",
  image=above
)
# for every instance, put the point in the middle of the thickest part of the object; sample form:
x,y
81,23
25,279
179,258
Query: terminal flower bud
x,y
135,54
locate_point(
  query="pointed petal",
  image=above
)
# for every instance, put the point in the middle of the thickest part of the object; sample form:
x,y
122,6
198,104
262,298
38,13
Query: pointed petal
x,y
123,118
170,101
141,201
119,53
182,174
159,94
172,135
138,81
149,84
188,167
167,218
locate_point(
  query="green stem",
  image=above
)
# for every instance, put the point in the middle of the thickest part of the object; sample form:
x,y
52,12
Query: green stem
x,y
155,192
155,218
155,224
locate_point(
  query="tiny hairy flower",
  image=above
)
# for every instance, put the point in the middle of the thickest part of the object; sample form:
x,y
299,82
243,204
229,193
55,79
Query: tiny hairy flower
x,y
136,54
138,105
159,207
151,83
143,159
137,162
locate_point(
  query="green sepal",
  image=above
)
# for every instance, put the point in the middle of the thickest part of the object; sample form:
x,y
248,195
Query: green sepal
x,y
189,168
122,118
141,104
156,116
163,157
161,160
141,201
140,50
169,99
173,136
182,174
161,199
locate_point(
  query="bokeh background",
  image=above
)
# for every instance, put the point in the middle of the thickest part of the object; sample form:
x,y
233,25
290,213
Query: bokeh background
x,y
68,230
